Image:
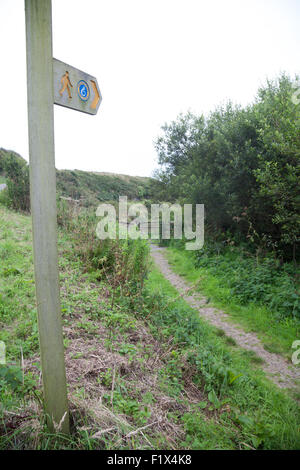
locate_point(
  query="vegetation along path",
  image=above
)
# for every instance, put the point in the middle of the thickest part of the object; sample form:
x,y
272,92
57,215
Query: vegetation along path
x,y
281,372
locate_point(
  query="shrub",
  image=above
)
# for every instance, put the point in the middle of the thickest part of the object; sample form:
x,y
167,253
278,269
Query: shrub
x,y
123,262
251,279
18,188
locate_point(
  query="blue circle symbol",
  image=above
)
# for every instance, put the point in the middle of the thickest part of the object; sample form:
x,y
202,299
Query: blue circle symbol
x,y
83,90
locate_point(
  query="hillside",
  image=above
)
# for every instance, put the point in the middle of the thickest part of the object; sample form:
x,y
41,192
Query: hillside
x,y
144,370
91,187
94,187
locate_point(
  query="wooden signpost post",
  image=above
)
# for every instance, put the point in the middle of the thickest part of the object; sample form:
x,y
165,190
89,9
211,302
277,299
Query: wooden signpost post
x,y
49,81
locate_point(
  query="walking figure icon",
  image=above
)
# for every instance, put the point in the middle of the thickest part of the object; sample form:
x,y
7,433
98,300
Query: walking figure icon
x,y
66,84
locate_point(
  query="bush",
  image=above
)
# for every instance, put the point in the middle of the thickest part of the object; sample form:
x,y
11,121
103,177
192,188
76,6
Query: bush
x,y
242,164
251,279
124,263
16,171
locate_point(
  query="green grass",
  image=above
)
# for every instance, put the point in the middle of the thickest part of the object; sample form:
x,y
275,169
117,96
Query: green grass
x,y
277,334
163,360
92,187
252,409
95,187
87,310
17,296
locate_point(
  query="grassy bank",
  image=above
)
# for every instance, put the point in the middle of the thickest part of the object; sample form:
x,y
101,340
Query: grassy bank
x,y
246,407
143,370
90,187
219,278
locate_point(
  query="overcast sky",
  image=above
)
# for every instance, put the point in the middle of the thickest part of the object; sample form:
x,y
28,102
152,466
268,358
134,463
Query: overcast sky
x,y
153,60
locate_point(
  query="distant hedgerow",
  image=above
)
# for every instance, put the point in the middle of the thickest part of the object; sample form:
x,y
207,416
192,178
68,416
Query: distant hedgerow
x,y
16,171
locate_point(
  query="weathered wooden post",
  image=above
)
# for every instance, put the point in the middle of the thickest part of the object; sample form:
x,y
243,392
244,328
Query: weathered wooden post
x,y
49,81
43,208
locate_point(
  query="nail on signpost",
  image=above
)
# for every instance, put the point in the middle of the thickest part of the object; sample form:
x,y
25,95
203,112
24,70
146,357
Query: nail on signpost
x,y
49,81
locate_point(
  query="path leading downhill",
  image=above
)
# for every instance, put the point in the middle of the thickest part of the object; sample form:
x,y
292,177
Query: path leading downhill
x,y
280,371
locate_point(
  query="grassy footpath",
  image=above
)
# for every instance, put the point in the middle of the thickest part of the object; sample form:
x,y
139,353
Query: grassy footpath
x,y
144,371
250,408
277,333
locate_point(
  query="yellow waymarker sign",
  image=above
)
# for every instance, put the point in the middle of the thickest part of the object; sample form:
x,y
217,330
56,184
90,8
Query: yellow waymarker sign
x,y
75,89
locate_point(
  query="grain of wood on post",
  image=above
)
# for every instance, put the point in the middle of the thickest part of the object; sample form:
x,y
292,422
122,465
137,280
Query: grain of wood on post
x,y
43,208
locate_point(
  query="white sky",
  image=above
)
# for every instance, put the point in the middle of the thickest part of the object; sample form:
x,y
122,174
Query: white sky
x,y
153,59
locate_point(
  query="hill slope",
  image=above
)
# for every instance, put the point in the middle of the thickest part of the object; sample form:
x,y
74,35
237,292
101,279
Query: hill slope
x,y
92,187
141,363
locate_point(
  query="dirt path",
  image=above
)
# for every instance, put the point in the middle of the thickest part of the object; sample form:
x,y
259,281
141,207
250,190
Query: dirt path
x,y
278,369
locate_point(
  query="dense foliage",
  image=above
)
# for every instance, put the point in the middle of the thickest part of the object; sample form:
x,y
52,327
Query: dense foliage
x,y
16,172
243,165
131,340
264,282
93,188
89,188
